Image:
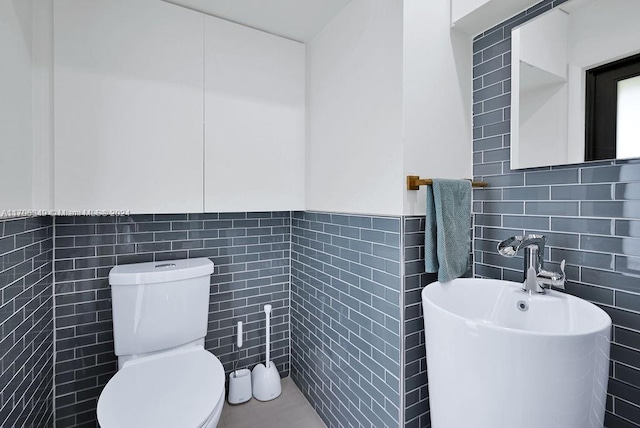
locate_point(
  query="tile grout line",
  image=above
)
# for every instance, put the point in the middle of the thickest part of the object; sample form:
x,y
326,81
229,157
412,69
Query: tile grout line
x,y
290,284
402,321
54,336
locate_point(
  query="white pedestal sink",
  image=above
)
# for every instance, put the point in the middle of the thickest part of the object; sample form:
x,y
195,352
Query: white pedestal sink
x,y
498,357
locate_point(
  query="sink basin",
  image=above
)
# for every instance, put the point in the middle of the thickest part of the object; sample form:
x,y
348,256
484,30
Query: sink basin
x,y
510,358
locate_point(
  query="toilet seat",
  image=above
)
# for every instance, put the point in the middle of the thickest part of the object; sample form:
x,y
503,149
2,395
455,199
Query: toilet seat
x,y
175,389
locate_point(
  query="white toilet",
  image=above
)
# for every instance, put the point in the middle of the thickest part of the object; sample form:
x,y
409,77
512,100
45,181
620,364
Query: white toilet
x,y
165,378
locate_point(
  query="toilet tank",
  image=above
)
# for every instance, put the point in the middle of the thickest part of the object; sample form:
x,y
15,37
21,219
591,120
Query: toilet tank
x,y
159,305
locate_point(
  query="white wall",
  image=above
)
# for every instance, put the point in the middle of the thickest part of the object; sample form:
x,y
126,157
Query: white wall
x,y
16,135
354,111
437,98
475,16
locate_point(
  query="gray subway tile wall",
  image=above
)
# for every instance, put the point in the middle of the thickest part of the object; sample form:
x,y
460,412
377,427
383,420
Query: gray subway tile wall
x,y
416,409
345,317
590,212
251,252
416,393
26,322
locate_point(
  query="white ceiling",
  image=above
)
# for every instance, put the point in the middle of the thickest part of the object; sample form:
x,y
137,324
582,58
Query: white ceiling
x,y
299,20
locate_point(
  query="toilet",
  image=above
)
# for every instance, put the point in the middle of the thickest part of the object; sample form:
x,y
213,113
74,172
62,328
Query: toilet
x,y
165,378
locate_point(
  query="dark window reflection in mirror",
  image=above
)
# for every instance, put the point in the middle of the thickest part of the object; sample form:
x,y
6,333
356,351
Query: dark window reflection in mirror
x,y
613,110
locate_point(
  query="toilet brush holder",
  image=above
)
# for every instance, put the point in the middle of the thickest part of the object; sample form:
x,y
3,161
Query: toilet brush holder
x,y
239,386
265,378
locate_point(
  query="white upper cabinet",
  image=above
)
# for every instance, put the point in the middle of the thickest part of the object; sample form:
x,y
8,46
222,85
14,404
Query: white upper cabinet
x,y
162,109
128,82
254,120
16,109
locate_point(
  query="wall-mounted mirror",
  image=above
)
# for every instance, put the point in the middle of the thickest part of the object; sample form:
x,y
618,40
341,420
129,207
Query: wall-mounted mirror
x,y
552,56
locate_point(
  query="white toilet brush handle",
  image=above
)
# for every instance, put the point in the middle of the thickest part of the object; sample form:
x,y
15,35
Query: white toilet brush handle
x,y
239,343
267,311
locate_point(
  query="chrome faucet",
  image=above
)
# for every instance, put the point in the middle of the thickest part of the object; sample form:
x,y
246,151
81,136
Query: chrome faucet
x,y
536,279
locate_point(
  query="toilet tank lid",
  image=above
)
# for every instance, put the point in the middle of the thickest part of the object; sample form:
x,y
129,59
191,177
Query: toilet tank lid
x,y
163,271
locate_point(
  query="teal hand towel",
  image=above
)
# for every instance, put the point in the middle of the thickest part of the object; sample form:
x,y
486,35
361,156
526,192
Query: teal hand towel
x,y
447,230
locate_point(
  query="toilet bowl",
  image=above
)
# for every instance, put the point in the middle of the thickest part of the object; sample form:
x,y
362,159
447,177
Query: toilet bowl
x,y
174,389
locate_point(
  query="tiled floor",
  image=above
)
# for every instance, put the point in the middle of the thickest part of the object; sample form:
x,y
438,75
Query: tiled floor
x,y
291,409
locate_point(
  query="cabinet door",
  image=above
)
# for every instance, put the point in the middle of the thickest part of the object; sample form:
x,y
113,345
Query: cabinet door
x,y
16,132
128,106
254,120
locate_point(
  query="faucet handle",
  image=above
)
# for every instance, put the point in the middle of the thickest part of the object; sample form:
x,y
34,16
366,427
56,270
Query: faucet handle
x,y
563,276
553,279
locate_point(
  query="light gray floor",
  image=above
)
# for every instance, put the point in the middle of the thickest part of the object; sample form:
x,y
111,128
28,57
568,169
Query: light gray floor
x,y
291,409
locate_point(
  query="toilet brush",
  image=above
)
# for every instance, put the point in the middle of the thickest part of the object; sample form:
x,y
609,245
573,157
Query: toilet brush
x,y
239,380
265,378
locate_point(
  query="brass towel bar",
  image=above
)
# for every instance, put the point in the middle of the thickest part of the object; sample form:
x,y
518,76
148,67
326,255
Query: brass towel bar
x,y
414,182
